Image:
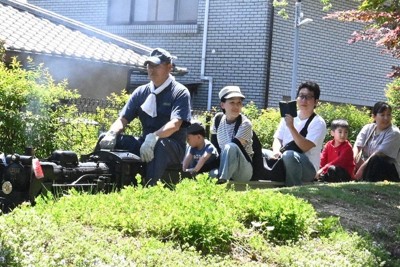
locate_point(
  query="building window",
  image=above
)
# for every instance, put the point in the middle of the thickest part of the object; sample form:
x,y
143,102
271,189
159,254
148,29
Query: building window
x,y
152,11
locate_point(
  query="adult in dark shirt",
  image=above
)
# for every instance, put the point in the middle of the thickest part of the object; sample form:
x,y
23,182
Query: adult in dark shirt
x,y
163,108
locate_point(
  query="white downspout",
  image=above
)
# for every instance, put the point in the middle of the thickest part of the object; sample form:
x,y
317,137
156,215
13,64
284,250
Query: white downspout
x,y
203,56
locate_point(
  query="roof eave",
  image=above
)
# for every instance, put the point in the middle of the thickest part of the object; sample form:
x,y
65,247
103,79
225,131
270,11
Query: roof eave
x,y
177,71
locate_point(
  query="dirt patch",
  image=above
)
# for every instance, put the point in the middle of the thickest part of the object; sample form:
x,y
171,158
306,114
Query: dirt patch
x,y
381,220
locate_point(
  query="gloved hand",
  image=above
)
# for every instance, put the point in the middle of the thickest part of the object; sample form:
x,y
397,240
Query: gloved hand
x,y
147,148
192,171
109,140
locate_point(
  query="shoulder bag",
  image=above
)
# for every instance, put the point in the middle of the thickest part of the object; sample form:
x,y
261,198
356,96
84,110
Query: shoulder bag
x,y
292,144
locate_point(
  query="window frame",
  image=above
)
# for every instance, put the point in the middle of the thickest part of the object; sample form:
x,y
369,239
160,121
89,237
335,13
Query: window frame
x,y
131,20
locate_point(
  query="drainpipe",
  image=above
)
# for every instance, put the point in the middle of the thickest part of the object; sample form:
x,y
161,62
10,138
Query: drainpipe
x,y
271,11
203,56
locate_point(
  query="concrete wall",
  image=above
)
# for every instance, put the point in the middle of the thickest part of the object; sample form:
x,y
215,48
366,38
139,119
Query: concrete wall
x,y
238,50
102,79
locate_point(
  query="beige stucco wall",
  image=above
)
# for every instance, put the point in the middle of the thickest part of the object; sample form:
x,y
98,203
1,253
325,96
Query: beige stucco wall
x,y
92,79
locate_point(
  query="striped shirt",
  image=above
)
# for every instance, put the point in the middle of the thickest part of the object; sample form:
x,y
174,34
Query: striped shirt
x,y
225,133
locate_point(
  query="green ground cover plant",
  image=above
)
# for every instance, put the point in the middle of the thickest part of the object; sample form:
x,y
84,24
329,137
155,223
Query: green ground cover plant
x,y
189,213
197,224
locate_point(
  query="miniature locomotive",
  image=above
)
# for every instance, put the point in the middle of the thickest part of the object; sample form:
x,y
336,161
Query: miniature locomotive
x,y
102,170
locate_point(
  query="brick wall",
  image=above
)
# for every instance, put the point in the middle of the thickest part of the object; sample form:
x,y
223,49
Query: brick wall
x,y
237,50
346,73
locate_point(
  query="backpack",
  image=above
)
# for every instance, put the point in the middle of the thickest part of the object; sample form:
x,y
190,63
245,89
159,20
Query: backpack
x,y
259,171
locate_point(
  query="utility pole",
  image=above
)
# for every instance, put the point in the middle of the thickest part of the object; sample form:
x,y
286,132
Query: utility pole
x,y
298,15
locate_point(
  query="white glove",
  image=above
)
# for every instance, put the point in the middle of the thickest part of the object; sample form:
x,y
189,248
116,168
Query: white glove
x,y
191,171
109,140
147,148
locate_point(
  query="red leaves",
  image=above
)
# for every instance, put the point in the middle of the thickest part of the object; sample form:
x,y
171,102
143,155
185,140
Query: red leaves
x,y
381,27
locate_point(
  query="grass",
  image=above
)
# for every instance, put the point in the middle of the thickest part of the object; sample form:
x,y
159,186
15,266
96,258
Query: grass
x,y
371,209
202,224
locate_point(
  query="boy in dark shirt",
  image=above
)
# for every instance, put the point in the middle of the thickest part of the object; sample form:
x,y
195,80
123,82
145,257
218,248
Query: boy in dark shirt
x,y
202,154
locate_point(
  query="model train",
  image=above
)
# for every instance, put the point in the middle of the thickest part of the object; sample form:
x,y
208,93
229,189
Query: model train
x,y
103,170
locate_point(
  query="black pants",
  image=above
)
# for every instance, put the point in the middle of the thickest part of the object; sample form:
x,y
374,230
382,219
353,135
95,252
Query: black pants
x,y
336,175
380,168
154,169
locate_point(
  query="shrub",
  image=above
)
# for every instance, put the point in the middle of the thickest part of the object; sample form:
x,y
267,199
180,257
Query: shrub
x,y
30,110
106,116
36,112
265,126
93,124
393,95
356,117
78,135
251,111
100,121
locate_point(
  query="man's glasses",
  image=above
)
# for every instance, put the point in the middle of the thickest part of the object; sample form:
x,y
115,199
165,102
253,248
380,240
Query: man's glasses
x,y
305,97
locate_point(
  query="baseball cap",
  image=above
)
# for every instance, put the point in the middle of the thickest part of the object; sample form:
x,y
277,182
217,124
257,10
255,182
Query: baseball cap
x,y
158,56
230,92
